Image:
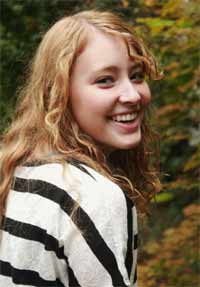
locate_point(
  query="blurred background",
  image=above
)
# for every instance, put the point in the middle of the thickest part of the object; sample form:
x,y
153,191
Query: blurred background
x,y
169,238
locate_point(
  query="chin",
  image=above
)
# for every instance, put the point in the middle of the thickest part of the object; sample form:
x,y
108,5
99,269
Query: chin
x,y
126,146
132,143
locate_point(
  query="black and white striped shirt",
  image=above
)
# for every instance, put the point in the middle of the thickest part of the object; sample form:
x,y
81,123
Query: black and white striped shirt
x,y
41,245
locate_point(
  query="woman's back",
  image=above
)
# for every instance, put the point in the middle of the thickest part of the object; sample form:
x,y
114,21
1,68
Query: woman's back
x,y
43,246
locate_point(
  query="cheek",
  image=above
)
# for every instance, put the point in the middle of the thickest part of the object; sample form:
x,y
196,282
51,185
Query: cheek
x,y
88,102
146,94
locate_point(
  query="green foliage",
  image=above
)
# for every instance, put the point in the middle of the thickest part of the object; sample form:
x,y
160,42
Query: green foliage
x,y
163,197
173,260
19,39
173,33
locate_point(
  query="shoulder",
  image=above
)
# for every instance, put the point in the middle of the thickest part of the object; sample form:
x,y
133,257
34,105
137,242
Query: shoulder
x,y
74,181
45,195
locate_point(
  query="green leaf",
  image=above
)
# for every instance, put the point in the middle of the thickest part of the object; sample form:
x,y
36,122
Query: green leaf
x,y
163,197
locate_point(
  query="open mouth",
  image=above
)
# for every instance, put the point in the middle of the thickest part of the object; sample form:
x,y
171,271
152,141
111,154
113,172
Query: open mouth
x,y
128,118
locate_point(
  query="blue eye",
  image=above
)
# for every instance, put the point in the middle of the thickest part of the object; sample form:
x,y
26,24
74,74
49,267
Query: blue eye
x,y
138,76
105,80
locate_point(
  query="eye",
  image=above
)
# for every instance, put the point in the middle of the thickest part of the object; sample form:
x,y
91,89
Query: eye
x,y
105,81
137,76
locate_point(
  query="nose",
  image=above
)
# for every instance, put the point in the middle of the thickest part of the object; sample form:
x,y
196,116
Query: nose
x,y
129,93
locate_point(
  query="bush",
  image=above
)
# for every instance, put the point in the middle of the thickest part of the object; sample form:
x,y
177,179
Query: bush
x,y
173,261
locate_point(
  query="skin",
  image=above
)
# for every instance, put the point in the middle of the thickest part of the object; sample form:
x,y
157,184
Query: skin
x,y
105,82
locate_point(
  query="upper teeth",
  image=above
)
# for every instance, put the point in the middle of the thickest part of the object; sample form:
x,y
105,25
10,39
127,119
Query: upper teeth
x,y
127,117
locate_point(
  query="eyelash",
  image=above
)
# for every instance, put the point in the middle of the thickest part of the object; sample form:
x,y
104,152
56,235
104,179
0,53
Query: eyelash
x,y
102,80
138,77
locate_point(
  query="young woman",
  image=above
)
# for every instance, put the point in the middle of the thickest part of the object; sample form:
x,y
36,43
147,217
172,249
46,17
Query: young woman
x,y
76,160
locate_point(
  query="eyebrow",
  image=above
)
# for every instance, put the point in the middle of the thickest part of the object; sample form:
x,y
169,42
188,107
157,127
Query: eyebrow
x,y
113,68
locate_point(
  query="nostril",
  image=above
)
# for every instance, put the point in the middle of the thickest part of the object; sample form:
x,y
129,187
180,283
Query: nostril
x,y
130,95
131,100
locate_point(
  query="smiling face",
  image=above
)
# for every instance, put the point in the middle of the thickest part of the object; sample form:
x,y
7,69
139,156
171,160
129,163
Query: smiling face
x,y
108,93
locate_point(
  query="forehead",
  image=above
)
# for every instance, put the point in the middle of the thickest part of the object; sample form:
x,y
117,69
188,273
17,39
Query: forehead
x,y
103,48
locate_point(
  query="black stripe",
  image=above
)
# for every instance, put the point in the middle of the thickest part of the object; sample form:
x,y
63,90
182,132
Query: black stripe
x,y
129,253
135,275
78,164
135,241
73,282
26,277
93,237
35,233
72,279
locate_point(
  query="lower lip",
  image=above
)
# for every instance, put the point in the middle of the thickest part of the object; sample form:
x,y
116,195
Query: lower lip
x,y
128,127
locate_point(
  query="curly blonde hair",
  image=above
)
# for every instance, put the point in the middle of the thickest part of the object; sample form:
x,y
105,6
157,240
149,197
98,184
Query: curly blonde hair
x,y
43,123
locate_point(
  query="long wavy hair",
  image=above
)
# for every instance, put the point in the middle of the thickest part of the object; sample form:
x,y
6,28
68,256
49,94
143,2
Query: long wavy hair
x,y
43,126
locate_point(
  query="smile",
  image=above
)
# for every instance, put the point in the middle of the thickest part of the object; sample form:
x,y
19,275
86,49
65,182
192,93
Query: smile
x,y
125,118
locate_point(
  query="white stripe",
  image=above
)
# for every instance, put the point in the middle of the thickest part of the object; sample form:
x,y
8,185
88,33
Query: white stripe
x,y
87,268
135,222
134,265
36,210
135,252
31,255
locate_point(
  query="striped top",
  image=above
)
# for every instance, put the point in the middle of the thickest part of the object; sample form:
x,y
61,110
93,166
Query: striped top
x,y
43,245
